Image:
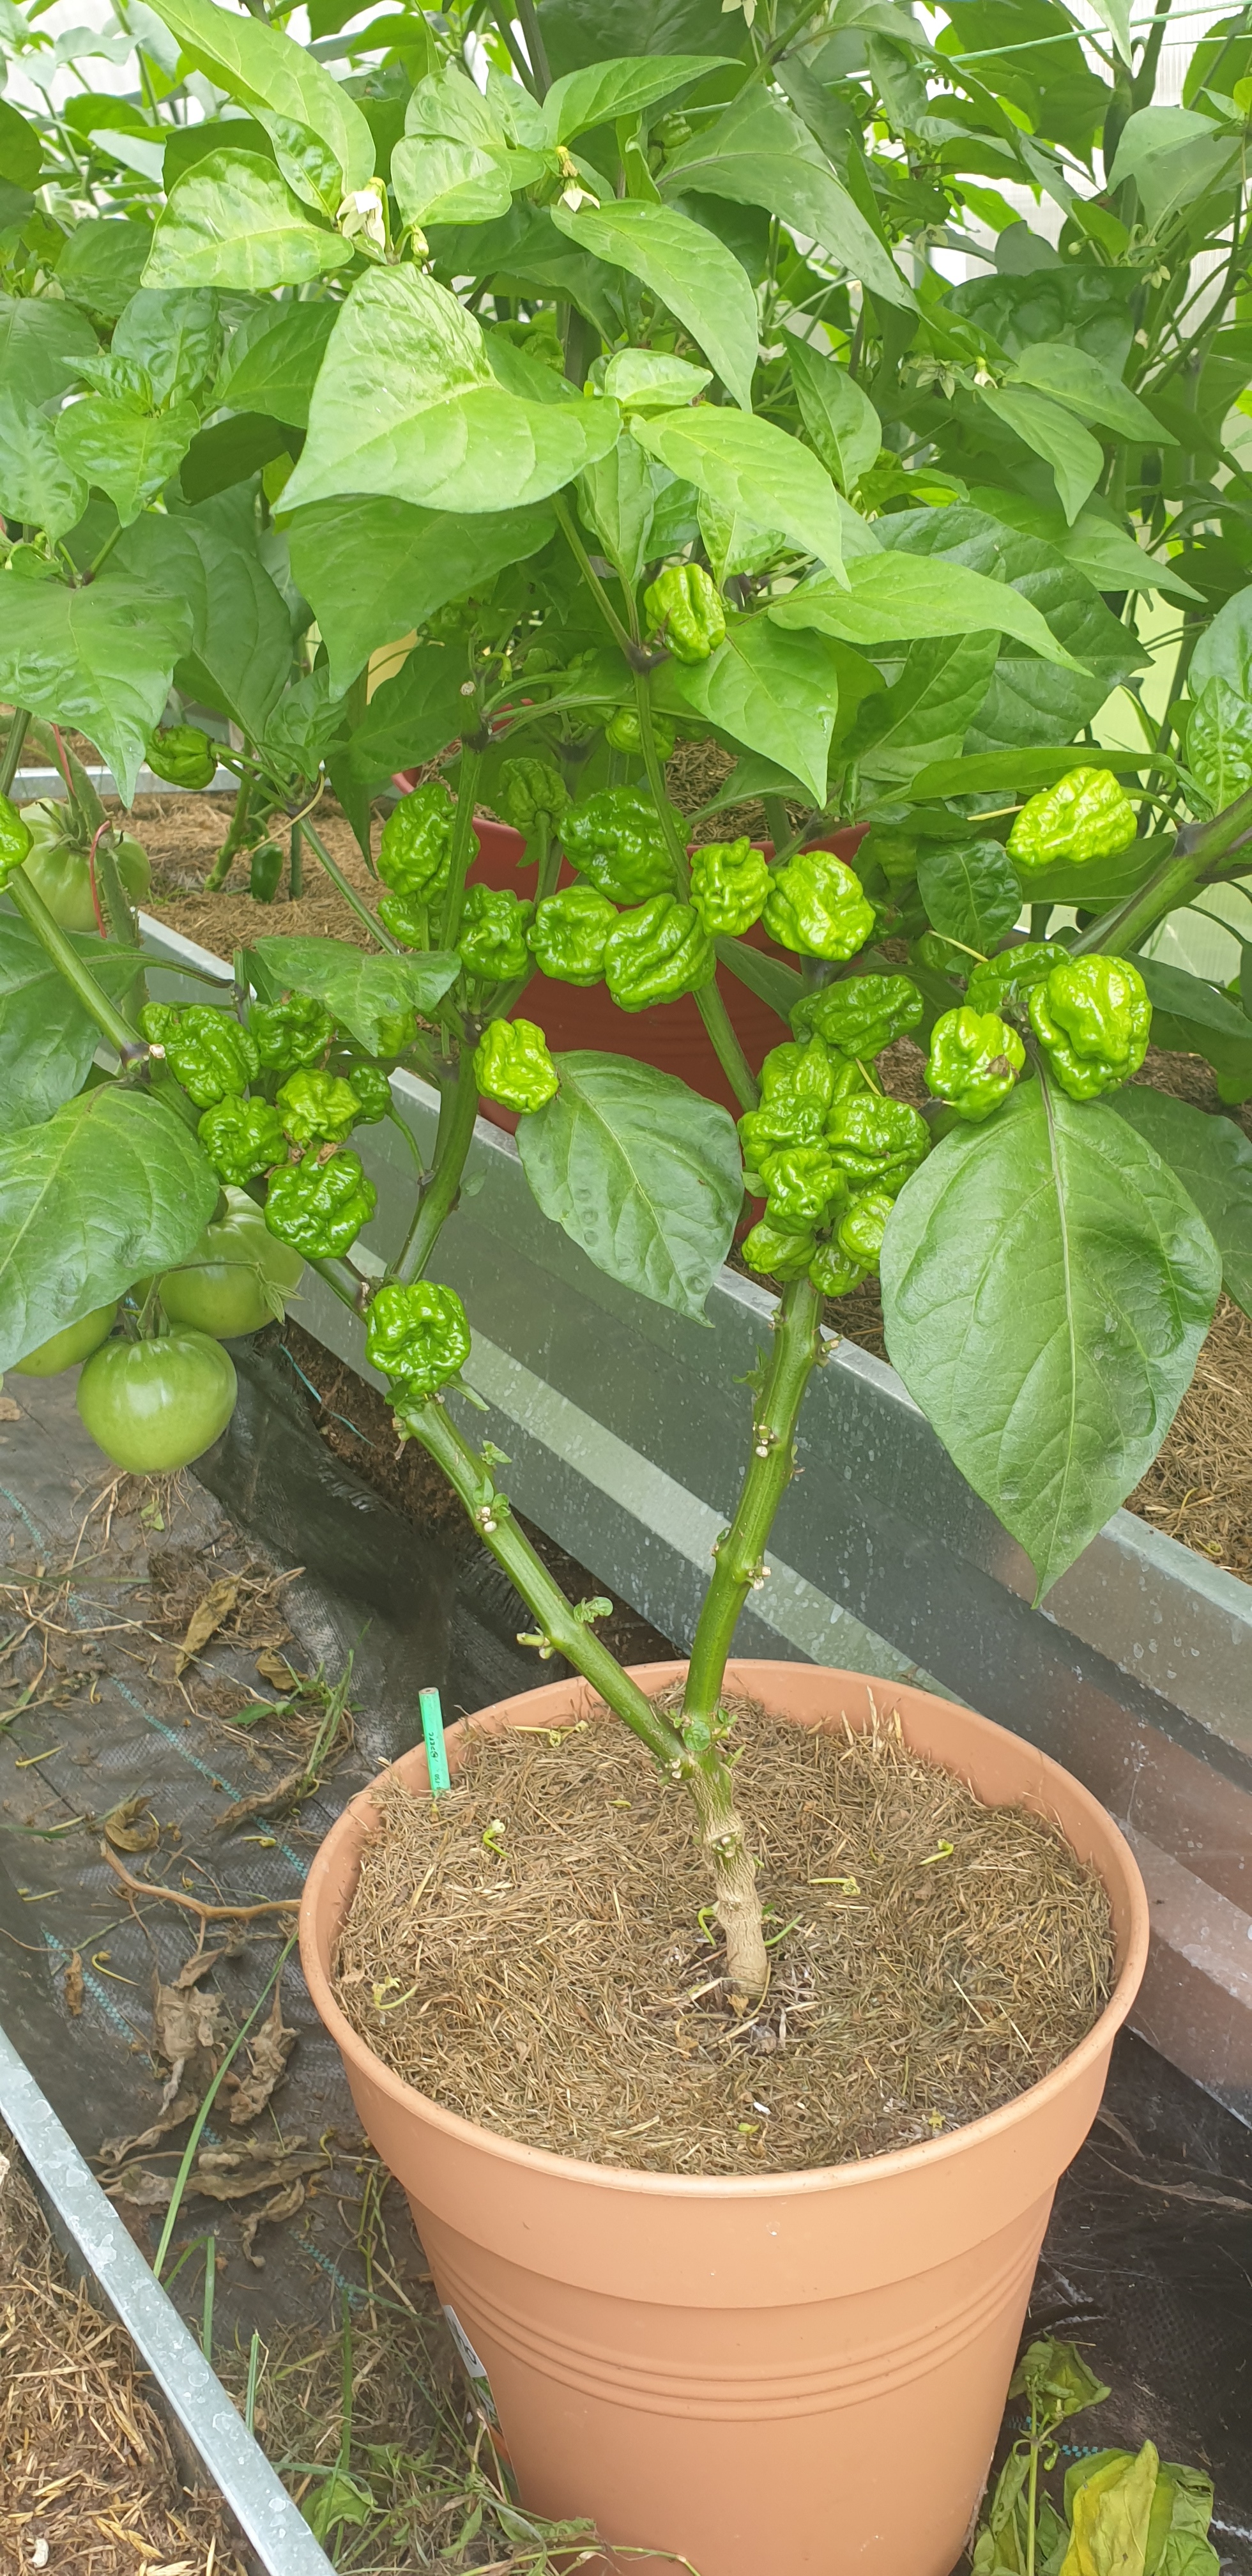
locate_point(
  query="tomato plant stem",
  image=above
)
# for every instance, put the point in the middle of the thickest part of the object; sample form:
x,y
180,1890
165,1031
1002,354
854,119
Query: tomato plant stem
x,y
76,971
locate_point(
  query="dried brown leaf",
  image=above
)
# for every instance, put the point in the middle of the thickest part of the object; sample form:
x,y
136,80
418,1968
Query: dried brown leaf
x,y
214,1606
9,1411
175,2108
283,1794
223,2173
275,1668
269,2053
283,2205
132,1827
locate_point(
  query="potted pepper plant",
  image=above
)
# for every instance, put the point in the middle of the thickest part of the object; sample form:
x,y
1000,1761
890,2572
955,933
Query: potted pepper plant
x,y
599,376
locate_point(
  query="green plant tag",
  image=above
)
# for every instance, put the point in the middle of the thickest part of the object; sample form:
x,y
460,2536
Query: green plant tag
x,y
432,1730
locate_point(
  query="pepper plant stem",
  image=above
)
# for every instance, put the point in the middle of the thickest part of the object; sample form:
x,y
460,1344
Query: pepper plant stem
x,y
620,634
77,973
235,831
12,753
709,1001
458,1109
349,892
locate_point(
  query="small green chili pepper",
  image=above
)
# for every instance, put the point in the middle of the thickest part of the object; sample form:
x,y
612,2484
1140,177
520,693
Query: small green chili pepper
x,y
617,842
568,933
873,1138
320,1208
624,733
684,604
778,1252
417,1335
291,1034
1087,815
529,789
492,943
729,884
242,1138
862,1014
183,755
974,1061
317,1108
206,1050
832,1273
816,906
657,952
861,1231
512,1065
415,852
1093,1020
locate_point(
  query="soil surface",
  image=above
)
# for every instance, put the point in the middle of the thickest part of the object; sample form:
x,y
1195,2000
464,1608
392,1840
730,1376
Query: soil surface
x,y
527,1951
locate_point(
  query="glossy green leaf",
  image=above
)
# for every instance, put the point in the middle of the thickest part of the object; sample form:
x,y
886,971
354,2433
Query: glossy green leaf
x,y
231,451
239,652
373,570
127,454
774,693
970,891
406,404
1213,1160
111,1188
840,418
37,486
691,271
898,597
1076,458
601,92
99,659
981,773
21,151
233,221
47,1039
364,993
760,154
1047,1285
925,714
753,470
41,343
1219,743
642,1173
175,336
411,717
1192,1016
1086,385
272,362
617,503
438,182
264,70
1224,650
102,265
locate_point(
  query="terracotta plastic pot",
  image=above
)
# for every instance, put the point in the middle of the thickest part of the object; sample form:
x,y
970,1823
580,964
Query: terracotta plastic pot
x,y
779,2375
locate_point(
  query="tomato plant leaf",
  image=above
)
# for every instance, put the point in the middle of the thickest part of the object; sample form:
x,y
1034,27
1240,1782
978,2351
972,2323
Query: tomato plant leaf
x,y
639,1171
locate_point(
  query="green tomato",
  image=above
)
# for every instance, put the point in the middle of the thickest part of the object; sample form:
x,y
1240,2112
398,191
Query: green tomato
x,y
154,1406
76,1342
218,1289
61,874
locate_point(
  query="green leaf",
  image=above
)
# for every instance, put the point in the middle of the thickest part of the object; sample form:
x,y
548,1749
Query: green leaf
x,y
282,84
1093,883
1047,1285
1192,1016
102,264
601,92
36,485
774,693
840,419
21,151
924,715
439,182
1224,650
617,501
893,597
1219,743
41,343
175,337
98,658
124,453
272,362
773,983
760,154
1086,385
111,1188
641,1172
981,773
375,569
752,470
411,717
1076,458
406,404
692,272
231,452
238,657
1173,154
970,891
1213,1160
233,221
361,991
1115,15
47,1039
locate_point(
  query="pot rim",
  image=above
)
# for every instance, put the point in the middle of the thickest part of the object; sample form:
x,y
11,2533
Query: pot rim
x,y
748,2187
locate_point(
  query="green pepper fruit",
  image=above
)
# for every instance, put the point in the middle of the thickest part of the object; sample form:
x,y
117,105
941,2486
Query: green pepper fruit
x,y
396,1031
492,945
568,933
1087,815
625,733
616,840
1093,1019
265,868
317,1108
803,1183
15,840
372,1089
415,852
860,1232
684,604
206,1050
242,1138
832,1273
802,1074
778,1252
974,1061
320,1208
529,789
407,917
512,1065
1010,976
861,1015
183,755
418,1336
291,1034
729,884
873,1138
815,906
656,953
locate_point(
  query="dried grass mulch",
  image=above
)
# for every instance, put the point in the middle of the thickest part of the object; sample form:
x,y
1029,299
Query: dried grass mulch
x,y
536,1952
87,2479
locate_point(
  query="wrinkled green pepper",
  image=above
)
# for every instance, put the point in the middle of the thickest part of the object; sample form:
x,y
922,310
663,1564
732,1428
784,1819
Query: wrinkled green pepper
x,y
816,906
862,1014
320,1208
873,1138
418,1336
372,1088
656,953
803,1183
206,1050
974,1061
1087,815
777,1251
617,842
317,1108
623,732
492,943
832,1273
860,1232
1093,1019
291,1034
512,1065
729,884
242,1138
407,917
683,604
15,841
1010,976
415,852
568,933
183,755
529,790
797,1091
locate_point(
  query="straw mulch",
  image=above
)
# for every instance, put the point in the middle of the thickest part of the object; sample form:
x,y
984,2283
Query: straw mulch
x,y
1199,1487
533,1953
87,2481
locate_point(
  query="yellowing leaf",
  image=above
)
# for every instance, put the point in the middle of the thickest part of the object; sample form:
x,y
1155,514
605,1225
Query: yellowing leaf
x,y
1111,2511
